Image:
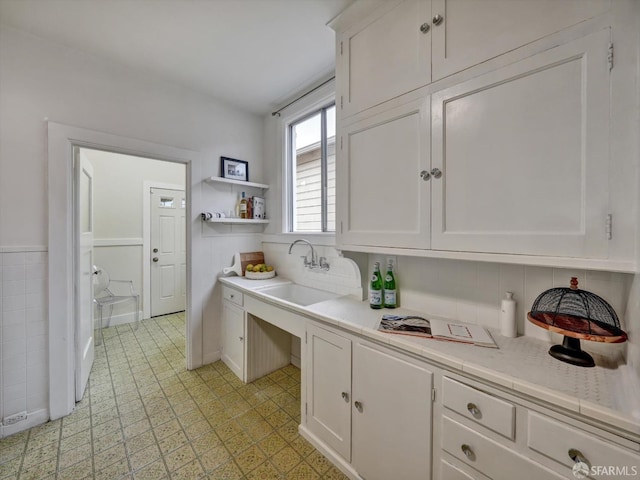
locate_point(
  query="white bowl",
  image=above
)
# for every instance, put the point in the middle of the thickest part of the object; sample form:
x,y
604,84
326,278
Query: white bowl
x,y
260,275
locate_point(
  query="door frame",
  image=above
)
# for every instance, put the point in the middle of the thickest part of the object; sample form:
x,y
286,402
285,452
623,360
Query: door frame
x,y
61,139
146,238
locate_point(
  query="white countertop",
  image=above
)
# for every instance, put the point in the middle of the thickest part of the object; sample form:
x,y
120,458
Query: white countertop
x,y
606,393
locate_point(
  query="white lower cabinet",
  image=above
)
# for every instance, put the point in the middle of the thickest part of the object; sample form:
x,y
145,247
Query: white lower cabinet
x,y
233,337
488,434
370,405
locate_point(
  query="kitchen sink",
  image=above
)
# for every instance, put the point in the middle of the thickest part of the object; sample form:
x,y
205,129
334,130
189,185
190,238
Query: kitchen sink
x,y
298,294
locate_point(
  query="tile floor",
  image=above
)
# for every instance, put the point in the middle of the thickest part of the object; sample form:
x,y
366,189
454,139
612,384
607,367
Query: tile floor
x,y
144,416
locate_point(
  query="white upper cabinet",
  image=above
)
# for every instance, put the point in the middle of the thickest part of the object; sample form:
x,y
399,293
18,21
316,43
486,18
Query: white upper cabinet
x,y
524,154
382,198
384,55
468,32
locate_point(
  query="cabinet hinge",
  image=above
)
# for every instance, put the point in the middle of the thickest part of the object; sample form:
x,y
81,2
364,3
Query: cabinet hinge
x,y
341,101
433,394
306,409
340,143
340,227
305,337
340,48
610,56
608,228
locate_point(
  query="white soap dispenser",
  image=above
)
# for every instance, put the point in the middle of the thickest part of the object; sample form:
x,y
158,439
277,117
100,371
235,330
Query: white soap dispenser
x,y
508,326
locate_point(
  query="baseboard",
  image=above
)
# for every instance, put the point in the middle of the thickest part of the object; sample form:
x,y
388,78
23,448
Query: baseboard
x,y
295,361
33,419
210,357
340,463
121,319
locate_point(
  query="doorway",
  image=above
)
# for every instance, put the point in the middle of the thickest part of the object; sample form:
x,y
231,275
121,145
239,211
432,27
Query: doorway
x,y
61,142
119,220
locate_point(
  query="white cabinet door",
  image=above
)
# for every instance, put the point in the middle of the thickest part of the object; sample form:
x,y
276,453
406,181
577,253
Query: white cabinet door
x,y
329,380
472,32
391,416
383,201
385,55
524,152
233,338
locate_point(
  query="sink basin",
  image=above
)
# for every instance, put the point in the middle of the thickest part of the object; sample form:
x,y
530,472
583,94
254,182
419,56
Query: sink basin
x,y
298,294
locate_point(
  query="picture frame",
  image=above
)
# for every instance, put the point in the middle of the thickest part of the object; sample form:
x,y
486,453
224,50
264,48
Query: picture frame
x,y
234,169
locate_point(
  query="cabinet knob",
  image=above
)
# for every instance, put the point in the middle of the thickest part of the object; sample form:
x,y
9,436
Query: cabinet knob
x,y
436,172
345,395
424,175
241,339
424,28
155,259
155,250
358,405
474,410
466,449
231,295
578,457
438,19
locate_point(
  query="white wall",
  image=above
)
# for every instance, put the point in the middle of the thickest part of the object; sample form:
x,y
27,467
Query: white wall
x,y
118,213
40,79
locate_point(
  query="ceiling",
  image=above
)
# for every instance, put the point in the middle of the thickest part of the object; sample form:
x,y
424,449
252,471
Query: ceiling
x,y
254,54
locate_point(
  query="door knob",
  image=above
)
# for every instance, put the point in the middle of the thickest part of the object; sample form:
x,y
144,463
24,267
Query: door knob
x,y
155,259
155,250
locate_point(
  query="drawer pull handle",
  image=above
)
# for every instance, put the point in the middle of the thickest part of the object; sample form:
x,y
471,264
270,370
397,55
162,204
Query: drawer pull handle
x,y
358,405
466,449
345,396
577,456
474,410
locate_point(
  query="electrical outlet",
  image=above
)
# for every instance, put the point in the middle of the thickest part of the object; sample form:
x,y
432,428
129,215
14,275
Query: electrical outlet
x,y
18,417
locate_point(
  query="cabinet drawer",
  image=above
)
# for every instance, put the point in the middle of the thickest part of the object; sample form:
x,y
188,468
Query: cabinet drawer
x,y
554,440
449,472
482,408
488,457
232,295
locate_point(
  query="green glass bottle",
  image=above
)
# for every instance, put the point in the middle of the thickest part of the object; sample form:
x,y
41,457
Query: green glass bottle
x,y
390,297
375,288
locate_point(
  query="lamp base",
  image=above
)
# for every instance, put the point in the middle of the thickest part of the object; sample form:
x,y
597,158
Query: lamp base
x,y
570,352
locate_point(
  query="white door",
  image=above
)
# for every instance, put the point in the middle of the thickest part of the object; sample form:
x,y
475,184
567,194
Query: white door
x,y
524,152
84,271
383,199
391,416
329,370
168,251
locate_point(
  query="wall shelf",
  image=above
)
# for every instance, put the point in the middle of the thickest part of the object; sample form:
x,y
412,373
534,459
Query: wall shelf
x,y
254,221
237,182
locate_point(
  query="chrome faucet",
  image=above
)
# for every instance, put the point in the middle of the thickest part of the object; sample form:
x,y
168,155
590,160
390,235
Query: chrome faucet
x,y
313,264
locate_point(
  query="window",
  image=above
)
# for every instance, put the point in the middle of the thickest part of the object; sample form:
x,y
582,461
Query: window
x,y
311,166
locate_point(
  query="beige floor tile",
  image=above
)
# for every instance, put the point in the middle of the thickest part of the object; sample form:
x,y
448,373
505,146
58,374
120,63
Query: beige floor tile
x,y
80,470
214,458
34,457
191,471
303,471
177,458
10,451
76,455
250,459
302,446
205,442
38,471
145,456
107,441
228,471
10,468
76,427
172,442
266,471
117,470
166,429
272,444
278,418
286,459
108,457
197,429
238,443
137,428
153,471
139,442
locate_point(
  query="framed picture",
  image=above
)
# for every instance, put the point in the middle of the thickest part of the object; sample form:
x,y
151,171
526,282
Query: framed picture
x,y
234,169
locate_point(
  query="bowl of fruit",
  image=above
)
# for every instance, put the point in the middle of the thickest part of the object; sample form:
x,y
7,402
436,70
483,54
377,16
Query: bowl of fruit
x,y
259,271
